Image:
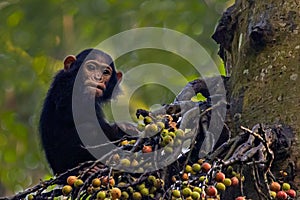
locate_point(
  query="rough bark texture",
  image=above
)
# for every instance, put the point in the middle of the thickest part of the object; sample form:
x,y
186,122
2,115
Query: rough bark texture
x,y
260,45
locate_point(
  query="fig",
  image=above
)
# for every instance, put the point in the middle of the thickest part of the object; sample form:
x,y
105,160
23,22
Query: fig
x,y
220,177
176,193
115,193
196,167
275,186
137,196
96,182
66,190
205,167
71,180
78,183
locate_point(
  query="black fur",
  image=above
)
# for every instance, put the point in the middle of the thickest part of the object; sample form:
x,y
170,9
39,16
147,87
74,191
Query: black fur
x,y
60,140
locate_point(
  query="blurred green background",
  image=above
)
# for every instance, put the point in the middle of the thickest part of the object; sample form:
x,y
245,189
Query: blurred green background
x,y
35,37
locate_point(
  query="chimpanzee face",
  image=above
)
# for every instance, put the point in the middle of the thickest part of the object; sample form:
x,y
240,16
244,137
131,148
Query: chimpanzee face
x,y
96,75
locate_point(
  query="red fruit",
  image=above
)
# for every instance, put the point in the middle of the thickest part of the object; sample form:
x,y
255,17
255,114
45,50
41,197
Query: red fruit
x,y
205,167
185,176
220,177
240,198
211,191
234,181
275,187
281,195
147,149
71,180
111,181
291,193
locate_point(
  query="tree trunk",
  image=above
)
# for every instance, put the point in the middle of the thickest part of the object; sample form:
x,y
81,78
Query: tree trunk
x,y
260,45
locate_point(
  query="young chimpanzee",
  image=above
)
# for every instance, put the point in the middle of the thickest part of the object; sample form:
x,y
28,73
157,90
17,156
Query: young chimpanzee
x,y
96,74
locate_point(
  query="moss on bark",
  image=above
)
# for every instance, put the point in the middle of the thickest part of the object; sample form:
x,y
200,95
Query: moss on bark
x,y
263,58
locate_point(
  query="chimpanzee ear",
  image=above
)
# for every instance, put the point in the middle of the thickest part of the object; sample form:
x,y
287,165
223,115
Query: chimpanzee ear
x,y
68,62
119,76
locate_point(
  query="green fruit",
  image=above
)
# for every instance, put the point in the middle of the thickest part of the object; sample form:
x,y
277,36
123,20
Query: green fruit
x,y
196,167
227,182
124,143
221,186
168,150
172,134
141,127
141,186
229,169
179,133
195,195
125,162
273,194
137,196
185,184
160,125
66,190
203,178
101,195
168,140
151,129
286,186
145,191
124,195
148,120
130,189
164,133
78,183
30,197
188,168
96,182
197,189
132,141
151,179
186,192
176,193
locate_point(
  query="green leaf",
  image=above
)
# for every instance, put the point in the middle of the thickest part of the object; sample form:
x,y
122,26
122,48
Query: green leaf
x,y
198,97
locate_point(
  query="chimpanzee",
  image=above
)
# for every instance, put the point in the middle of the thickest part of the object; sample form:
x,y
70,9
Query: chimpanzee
x,y
98,77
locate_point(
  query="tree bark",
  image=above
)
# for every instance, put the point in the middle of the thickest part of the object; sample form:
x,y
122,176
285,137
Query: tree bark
x,y
260,45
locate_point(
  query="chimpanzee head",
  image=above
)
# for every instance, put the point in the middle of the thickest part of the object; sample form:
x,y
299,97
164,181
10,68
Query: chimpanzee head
x,y
96,71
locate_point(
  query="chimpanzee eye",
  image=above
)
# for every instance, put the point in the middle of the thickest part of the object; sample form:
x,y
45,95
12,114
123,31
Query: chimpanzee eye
x,y
91,67
106,72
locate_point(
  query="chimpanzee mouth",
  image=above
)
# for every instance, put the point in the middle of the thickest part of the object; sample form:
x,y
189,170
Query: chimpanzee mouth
x,y
95,89
100,90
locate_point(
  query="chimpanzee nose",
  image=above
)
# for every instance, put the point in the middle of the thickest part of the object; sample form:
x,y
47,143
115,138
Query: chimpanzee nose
x,y
98,76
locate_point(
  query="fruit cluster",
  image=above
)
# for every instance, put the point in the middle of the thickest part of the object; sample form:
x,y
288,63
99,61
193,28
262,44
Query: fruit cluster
x,y
100,189
202,181
159,134
281,192
133,175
